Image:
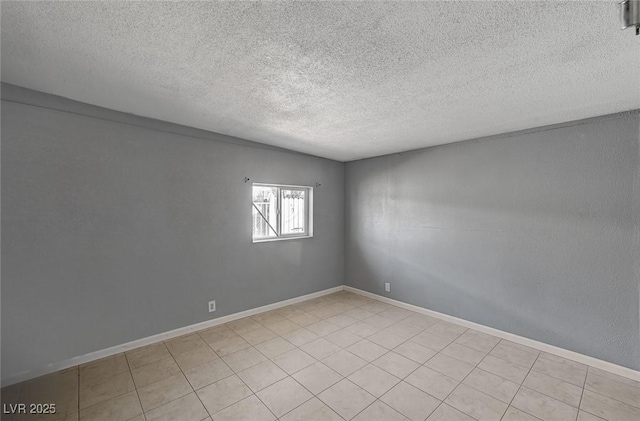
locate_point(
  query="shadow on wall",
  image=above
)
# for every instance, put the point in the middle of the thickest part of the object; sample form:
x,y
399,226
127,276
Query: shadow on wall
x,y
530,233
478,289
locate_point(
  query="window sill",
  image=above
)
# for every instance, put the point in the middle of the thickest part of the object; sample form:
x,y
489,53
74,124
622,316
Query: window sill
x,y
269,240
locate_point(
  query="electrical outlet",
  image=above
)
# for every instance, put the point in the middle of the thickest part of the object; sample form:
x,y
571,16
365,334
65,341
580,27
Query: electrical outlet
x,y
387,286
212,306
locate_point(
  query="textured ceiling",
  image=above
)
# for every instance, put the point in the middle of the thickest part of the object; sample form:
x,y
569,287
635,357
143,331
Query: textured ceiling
x,y
338,80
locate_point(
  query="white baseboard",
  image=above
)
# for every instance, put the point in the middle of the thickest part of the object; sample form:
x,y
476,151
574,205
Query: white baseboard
x,y
103,353
541,346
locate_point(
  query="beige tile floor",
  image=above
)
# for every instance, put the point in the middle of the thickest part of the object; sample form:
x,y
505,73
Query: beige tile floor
x,y
341,356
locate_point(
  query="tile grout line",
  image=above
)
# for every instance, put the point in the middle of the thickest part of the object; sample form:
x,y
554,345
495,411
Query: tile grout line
x,y
134,387
79,390
465,377
367,406
388,351
528,372
520,386
422,365
313,396
599,394
391,350
542,393
288,376
419,365
185,376
254,394
325,318
564,381
234,373
405,377
342,376
268,359
547,395
605,396
113,397
181,372
582,394
316,396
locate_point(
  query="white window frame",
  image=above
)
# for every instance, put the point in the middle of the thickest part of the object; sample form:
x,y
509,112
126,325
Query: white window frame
x,y
308,213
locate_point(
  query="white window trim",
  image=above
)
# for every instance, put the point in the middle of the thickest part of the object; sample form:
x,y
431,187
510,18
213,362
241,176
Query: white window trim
x,y
309,214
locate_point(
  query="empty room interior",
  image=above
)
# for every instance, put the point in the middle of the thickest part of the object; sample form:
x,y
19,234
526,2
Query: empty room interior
x,y
323,211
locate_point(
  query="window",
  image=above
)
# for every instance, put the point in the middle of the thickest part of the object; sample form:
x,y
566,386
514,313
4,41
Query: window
x,y
281,212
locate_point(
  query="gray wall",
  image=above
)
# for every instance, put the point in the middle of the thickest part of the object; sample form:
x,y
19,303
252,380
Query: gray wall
x,y
114,228
535,233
